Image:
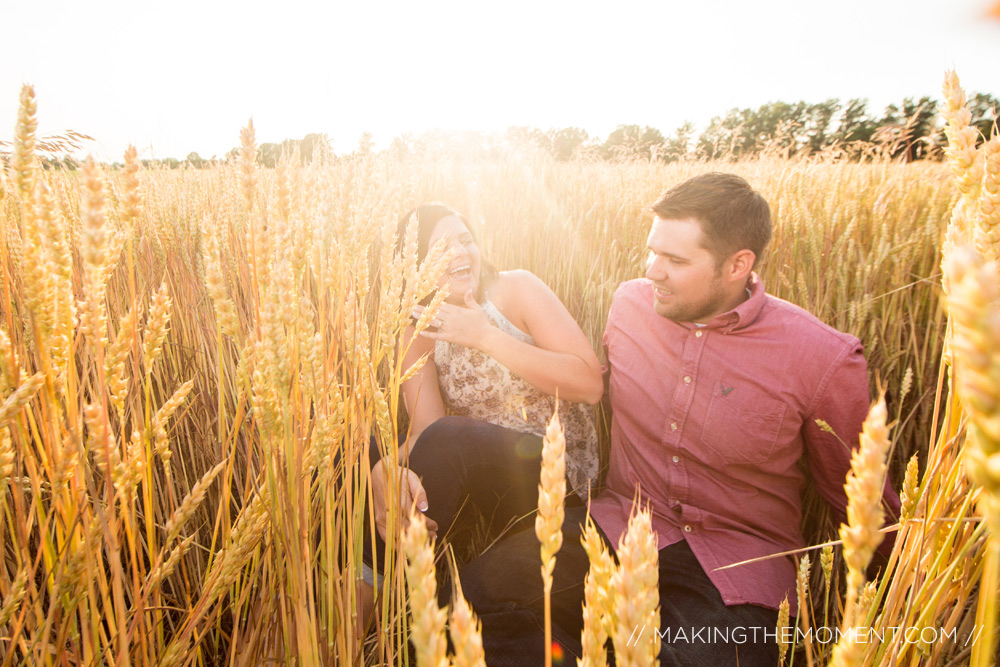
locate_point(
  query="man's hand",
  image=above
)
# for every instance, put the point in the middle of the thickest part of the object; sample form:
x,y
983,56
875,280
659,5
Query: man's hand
x,y
410,491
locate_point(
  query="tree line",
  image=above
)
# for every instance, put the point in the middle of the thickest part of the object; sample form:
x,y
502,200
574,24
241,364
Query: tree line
x,y
911,130
908,131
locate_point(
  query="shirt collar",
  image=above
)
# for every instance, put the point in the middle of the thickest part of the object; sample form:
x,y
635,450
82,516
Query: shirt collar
x,y
744,314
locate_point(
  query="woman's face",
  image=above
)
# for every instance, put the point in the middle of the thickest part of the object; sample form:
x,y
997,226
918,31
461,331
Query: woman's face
x,y
462,273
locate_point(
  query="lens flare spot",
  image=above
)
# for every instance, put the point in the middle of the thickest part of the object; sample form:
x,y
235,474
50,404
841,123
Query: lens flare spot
x,y
557,653
529,448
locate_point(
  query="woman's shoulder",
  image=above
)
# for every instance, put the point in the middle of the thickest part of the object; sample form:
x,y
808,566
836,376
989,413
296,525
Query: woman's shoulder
x,y
514,283
516,293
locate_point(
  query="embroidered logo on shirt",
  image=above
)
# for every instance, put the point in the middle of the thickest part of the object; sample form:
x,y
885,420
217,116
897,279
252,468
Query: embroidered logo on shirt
x,y
725,389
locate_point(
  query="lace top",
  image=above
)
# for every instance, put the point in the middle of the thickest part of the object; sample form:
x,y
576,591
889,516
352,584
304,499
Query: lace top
x,y
474,384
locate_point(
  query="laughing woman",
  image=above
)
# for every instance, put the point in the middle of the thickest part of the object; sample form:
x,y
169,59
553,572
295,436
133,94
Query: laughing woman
x,y
500,350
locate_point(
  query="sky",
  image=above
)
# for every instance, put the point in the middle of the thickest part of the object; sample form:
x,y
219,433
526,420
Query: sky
x,y
186,75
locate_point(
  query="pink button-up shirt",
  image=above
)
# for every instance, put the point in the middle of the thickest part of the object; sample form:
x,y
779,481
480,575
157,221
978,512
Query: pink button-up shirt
x,y
710,424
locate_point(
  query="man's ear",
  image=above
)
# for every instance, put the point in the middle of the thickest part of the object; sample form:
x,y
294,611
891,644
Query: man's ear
x,y
741,264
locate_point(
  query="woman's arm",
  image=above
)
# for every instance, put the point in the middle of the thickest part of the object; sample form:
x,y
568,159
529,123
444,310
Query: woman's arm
x,y
561,361
424,405
421,393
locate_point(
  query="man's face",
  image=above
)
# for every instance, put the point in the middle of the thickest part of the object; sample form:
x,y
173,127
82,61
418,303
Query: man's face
x,y
687,284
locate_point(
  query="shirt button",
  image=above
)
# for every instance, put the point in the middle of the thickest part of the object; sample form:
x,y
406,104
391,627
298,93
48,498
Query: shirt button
x,y
676,459
687,529
673,426
687,379
697,334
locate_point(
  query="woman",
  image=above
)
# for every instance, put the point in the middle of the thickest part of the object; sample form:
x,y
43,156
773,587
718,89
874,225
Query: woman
x,y
500,349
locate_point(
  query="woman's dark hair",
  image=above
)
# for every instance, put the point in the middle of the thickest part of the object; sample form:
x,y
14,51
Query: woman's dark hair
x,y
428,215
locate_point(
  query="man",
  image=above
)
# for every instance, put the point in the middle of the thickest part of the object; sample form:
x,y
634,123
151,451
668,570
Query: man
x,y
716,388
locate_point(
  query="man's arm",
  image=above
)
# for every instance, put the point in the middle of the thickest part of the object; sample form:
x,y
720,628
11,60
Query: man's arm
x,y
842,402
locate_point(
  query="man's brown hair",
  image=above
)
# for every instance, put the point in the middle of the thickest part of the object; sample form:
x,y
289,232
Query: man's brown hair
x,y
733,216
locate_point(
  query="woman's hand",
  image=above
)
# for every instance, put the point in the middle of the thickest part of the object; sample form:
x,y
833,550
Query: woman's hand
x,y
464,325
411,489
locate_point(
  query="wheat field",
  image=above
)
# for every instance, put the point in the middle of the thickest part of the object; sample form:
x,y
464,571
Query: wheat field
x,y
193,361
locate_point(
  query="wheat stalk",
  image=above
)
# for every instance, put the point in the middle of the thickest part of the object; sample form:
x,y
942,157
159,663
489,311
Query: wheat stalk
x,y
861,534
966,162
428,620
132,198
598,610
94,238
12,404
12,600
115,366
635,588
549,520
248,163
191,502
987,234
10,370
783,630
23,161
911,491
465,632
156,328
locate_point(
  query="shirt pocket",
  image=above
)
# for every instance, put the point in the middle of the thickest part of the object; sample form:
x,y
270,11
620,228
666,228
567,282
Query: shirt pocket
x,y
742,425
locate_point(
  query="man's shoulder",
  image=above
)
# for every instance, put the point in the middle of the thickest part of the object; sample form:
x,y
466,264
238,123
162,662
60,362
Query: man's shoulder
x,y
799,323
631,299
633,292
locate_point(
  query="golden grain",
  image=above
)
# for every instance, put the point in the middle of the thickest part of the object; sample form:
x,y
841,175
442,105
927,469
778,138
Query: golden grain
x,y
598,612
23,161
551,494
911,490
427,619
6,459
783,630
634,588
114,363
19,398
191,502
465,632
864,487
14,596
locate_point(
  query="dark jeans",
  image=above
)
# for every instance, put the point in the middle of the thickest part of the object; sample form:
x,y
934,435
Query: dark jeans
x,y
462,461
504,587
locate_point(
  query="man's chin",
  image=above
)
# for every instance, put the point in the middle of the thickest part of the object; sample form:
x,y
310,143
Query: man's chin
x,y
664,311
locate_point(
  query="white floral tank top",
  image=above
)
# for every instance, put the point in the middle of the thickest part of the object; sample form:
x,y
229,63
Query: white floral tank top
x,y
474,384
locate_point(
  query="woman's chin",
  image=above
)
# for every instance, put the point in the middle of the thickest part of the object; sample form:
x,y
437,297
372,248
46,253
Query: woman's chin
x,y
459,285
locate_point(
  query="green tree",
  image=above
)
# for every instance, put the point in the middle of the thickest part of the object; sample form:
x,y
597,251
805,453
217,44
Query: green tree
x,y
564,143
316,146
630,141
819,124
907,131
524,136
855,125
984,109
268,154
678,146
